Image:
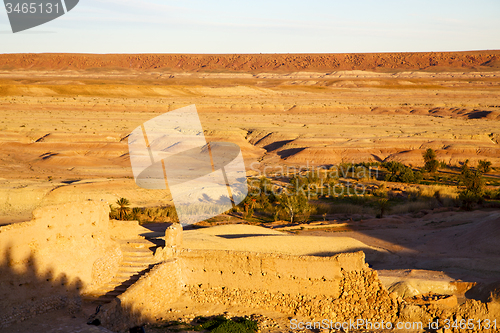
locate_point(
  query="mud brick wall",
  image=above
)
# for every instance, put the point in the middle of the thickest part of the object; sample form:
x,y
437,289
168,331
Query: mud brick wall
x,y
51,257
339,288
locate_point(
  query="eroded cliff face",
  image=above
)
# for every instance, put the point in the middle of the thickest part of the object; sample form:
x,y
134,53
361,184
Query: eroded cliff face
x,y
253,62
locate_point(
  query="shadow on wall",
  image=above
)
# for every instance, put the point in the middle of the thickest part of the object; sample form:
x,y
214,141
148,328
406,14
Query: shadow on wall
x,y
26,290
47,263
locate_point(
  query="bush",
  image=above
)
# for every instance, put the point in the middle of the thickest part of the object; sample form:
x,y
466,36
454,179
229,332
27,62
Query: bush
x,y
401,173
381,191
474,187
473,181
383,205
468,199
220,324
445,192
492,194
431,163
295,205
484,166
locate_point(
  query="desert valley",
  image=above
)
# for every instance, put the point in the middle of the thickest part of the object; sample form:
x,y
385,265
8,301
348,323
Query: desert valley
x,y
389,237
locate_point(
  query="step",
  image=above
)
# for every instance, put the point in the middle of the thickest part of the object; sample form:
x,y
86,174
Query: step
x,y
139,262
116,283
132,269
137,259
136,254
128,249
138,243
136,266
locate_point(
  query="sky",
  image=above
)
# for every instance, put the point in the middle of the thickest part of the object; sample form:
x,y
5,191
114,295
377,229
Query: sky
x,y
262,26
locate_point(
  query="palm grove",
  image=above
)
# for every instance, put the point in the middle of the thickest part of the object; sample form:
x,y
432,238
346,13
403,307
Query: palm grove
x,y
313,194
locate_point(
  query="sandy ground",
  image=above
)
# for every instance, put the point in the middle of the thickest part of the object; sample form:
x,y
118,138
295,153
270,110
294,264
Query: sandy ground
x,y
63,134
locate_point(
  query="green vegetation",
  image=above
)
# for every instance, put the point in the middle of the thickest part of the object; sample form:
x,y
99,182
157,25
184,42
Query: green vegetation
x,y
312,195
222,325
383,205
217,324
474,187
484,166
353,189
295,204
123,208
141,214
431,163
401,173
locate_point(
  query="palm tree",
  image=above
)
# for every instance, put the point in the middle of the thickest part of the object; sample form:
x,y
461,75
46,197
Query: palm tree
x,y
112,212
123,207
136,213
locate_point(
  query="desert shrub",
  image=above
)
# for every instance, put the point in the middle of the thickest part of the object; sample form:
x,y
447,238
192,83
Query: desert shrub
x,y
381,191
446,196
472,180
220,324
383,206
468,199
359,171
491,194
484,166
296,205
261,199
431,164
309,183
474,187
362,173
413,193
217,324
368,164
444,191
401,173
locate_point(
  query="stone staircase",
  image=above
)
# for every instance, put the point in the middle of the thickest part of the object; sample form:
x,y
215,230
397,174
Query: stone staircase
x,y
138,259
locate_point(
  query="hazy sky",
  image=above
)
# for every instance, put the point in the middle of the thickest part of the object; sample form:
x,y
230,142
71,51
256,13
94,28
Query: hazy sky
x,y
258,26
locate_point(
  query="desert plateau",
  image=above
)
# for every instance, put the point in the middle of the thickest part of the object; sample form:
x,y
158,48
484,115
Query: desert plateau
x,y
393,161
